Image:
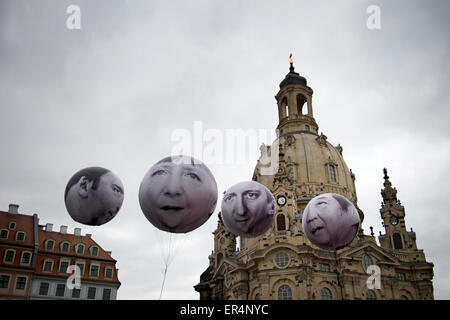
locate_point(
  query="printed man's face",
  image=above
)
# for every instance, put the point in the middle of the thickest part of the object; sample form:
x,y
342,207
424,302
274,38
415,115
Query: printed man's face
x,y
178,196
246,210
95,206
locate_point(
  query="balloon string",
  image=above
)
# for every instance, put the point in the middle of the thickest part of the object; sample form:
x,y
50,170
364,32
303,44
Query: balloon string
x,y
164,280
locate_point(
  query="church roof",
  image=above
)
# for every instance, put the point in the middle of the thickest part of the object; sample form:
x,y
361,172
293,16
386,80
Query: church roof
x,y
293,78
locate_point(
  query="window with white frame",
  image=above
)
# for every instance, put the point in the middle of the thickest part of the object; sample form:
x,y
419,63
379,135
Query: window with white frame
x,y
94,251
4,234
80,265
94,270
9,256
76,293
43,288
63,265
65,246
26,258
60,289
20,236
21,283
48,265
91,292
106,294
4,281
50,244
80,248
12,225
108,273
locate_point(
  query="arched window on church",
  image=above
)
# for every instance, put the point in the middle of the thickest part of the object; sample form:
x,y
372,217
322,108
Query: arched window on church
x,y
332,171
396,237
325,294
302,108
370,295
284,292
281,222
284,109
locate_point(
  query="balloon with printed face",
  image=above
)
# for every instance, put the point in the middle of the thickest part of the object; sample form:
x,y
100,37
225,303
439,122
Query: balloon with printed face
x,y
178,194
248,209
94,196
330,221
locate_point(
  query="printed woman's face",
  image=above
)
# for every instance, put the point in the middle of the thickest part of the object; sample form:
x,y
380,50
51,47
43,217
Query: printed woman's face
x,y
178,196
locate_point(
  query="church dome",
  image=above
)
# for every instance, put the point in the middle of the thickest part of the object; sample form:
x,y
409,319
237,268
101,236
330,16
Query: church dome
x,y
306,160
293,78
311,163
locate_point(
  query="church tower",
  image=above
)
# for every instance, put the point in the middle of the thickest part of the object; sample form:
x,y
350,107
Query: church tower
x,y
282,263
393,214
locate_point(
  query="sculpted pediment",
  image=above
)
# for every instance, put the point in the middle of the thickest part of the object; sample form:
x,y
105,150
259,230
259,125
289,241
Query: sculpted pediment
x,y
226,265
376,253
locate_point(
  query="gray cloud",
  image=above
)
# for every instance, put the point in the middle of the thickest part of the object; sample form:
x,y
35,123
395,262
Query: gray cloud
x,y
112,93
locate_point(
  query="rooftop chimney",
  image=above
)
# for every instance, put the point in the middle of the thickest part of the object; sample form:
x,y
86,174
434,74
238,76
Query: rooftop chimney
x,y
109,252
13,209
77,232
49,227
88,235
63,229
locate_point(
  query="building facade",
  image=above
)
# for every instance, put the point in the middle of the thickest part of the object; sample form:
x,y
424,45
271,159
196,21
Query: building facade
x,y
18,251
41,263
282,263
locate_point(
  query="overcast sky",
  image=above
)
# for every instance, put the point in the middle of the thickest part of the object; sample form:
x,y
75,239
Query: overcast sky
x,y
112,93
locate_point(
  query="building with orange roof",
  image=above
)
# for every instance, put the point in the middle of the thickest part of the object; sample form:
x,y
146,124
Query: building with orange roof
x,y
53,257
18,252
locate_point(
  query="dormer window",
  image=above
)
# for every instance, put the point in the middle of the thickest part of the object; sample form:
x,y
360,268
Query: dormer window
x,y
65,246
4,234
94,251
50,245
80,248
20,236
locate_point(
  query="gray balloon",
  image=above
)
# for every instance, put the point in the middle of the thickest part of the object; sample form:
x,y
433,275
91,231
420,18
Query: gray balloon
x,y
330,221
248,209
178,194
94,196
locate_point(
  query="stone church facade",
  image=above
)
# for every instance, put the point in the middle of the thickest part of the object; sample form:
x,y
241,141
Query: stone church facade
x,y
282,263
